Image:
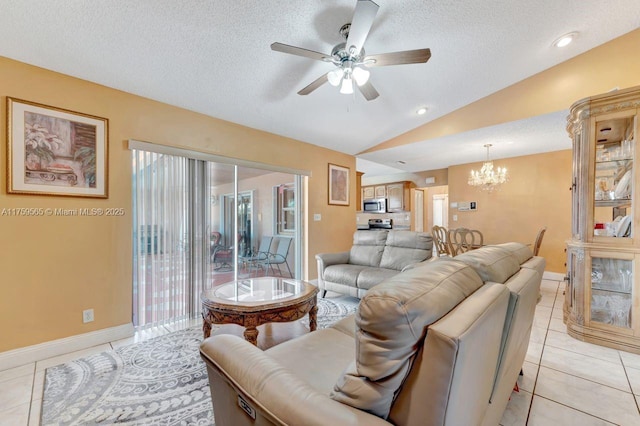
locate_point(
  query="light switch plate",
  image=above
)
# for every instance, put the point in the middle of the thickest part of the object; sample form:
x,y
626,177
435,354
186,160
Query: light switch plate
x,y
317,217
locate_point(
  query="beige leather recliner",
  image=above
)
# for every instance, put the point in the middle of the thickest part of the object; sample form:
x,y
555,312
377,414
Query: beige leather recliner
x,y
440,344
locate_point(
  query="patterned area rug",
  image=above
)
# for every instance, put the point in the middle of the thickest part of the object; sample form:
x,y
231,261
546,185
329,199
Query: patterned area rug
x,y
161,381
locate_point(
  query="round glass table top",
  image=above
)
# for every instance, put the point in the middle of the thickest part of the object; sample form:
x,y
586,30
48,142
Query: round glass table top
x,y
264,289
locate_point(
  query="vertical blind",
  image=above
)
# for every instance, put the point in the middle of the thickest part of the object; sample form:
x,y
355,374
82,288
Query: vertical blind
x,y
162,246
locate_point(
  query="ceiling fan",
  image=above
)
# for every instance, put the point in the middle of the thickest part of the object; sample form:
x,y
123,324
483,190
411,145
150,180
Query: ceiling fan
x,y
349,57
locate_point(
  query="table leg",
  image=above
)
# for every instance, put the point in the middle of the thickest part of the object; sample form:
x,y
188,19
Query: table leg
x,y
313,318
206,328
251,335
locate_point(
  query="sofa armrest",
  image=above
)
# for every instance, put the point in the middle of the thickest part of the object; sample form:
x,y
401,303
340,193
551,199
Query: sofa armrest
x,y
274,392
328,259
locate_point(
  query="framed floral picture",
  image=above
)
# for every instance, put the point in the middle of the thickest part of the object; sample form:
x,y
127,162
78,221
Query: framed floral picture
x,y
338,185
54,151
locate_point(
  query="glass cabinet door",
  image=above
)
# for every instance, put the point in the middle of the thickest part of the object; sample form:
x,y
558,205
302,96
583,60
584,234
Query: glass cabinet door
x,y
611,291
613,178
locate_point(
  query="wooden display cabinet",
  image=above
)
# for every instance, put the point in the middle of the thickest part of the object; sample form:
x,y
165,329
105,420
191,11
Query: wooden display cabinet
x,y
602,298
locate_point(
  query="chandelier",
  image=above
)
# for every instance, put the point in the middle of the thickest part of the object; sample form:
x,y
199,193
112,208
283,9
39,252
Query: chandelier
x,y
487,178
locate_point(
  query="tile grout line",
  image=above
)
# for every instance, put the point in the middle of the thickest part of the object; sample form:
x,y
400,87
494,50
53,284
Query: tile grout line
x,y
624,368
33,387
575,409
544,342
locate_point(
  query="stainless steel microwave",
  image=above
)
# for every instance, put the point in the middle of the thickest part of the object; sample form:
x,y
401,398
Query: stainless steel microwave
x,y
375,205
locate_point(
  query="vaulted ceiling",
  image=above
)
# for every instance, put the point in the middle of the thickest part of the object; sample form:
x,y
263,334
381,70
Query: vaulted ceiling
x,y
214,57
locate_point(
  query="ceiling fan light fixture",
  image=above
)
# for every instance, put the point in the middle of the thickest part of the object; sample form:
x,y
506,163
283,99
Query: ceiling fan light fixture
x,y
335,76
360,75
347,85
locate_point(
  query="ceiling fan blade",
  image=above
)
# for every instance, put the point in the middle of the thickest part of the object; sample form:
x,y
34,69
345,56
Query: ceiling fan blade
x,y
369,92
361,24
398,58
314,85
299,51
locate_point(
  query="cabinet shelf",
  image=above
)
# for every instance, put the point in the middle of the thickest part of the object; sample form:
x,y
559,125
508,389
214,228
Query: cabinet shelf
x,y
623,202
612,164
604,288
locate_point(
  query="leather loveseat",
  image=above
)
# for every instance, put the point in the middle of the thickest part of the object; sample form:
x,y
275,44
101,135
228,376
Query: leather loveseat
x,y
438,344
374,257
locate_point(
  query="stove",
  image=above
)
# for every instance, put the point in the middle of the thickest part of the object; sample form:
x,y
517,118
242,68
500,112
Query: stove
x,y
377,224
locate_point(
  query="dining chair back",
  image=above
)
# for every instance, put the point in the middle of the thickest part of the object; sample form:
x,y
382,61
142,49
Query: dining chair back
x,y
463,239
441,240
538,242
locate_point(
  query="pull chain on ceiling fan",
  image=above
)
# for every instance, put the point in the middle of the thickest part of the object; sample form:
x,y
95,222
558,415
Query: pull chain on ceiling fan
x,y
350,58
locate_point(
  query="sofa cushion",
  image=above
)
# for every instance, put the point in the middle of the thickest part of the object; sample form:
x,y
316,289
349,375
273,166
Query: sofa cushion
x,y
367,248
391,321
404,248
491,263
521,251
373,276
343,274
330,348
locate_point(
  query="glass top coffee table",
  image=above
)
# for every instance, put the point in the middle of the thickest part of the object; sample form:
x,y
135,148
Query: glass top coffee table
x,y
256,301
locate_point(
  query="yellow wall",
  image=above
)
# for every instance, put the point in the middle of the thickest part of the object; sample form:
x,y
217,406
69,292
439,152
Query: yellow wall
x,y
536,195
52,268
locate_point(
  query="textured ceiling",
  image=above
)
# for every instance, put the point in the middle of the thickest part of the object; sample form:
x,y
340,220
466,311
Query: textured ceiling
x,y
214,57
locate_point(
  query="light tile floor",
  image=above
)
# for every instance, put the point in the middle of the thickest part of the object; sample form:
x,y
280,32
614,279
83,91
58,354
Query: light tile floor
x,y
565,382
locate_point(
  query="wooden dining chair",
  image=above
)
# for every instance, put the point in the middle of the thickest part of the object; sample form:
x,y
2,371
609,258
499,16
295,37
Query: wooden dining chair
x,y
538,242
478,238
441,240
464,239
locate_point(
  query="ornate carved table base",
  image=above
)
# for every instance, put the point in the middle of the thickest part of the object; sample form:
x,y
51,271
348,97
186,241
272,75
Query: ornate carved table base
x,y
251,315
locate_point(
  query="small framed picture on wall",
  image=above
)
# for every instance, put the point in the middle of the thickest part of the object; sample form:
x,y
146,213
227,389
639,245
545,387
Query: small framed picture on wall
x,y
338,185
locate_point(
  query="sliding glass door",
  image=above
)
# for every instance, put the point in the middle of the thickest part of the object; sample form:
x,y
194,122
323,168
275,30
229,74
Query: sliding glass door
x,y
198,224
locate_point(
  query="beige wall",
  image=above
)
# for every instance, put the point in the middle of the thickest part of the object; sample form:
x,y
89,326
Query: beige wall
x,y
52,268
536,195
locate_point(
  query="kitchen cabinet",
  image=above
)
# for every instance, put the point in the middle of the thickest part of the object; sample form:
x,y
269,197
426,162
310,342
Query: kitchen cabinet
x,y
398,195
602,298
367,192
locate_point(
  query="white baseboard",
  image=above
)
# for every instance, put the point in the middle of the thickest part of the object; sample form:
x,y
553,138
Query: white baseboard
x,y
553,276
41,351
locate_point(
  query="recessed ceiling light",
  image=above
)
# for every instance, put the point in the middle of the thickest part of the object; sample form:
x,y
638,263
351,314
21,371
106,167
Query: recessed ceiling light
x,y
565,39
421,111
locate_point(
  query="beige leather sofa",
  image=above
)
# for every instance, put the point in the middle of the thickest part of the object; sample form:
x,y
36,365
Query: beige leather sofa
x,y
438,344
374,257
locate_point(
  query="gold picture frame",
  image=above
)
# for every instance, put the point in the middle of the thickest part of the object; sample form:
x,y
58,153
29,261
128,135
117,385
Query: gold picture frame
x,y
338,185
54,151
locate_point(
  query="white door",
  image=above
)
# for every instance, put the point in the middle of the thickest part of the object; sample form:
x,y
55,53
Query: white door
x,y
441,210
418,211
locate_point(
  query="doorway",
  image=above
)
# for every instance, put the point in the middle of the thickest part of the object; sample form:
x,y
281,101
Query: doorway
x,y
418,211
441,210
